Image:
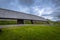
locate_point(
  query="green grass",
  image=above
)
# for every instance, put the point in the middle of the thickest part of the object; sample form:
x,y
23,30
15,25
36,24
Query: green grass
x,y
30,33
5,22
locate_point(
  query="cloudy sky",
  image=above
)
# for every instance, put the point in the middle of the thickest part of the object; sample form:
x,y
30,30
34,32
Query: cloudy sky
x,y
49,9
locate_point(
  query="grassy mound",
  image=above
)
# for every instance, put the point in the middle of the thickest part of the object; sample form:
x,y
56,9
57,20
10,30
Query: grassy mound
x,y
30,33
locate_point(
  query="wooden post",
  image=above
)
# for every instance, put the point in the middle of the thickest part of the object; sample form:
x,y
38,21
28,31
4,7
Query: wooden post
x,y
0,30
32,21
20,21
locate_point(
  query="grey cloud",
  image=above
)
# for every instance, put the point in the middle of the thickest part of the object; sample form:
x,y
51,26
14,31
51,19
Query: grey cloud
x,y
26,2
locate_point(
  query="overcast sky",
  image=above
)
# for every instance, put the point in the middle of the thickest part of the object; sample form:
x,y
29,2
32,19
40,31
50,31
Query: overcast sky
x,y
49,9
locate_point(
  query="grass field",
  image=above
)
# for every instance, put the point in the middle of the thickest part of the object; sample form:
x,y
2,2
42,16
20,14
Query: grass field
x,y
30,33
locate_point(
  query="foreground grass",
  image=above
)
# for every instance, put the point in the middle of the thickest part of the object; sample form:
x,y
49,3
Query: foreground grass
x,y
30,33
